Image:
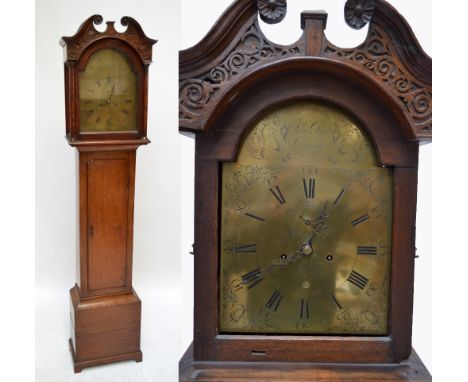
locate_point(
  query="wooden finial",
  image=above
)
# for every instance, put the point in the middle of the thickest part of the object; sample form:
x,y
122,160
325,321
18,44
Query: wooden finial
x,y
313,23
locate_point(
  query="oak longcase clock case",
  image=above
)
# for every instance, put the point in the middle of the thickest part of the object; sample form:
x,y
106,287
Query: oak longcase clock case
x,y
106,77
306,166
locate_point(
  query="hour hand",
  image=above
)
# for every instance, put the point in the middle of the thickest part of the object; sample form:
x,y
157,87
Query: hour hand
x,y
111,94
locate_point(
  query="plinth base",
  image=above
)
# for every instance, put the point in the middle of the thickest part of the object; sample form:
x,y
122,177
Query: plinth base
x,y
410,370
78,366
104,329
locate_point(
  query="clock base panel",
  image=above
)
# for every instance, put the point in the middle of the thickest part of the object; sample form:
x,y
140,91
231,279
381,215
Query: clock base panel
x,y
104,329
411,369
78,366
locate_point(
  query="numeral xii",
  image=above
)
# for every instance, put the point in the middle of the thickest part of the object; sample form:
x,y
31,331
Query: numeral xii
x,y
309,188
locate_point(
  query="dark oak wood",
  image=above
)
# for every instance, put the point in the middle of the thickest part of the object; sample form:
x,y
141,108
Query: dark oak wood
x,y
390,57
410,370
278,83
105,310
228,82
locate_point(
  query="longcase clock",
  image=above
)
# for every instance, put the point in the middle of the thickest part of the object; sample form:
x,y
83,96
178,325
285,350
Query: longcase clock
x,y
306,165
106,87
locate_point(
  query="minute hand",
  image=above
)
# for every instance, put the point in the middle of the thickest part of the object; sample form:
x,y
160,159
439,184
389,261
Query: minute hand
x,y
319,224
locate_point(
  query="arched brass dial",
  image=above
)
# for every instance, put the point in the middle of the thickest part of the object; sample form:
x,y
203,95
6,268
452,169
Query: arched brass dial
x,y
108,93
306,228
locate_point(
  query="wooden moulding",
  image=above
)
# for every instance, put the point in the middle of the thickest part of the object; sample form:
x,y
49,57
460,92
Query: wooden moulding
x,y
410,370
97,336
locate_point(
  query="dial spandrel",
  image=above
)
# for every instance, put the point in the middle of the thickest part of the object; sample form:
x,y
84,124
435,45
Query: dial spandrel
x,y
108,93
305,228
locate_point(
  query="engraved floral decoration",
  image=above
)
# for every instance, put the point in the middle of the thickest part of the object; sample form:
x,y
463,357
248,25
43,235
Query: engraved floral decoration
x,y
359,12
246,175
371,318
378,57
231,304
272,11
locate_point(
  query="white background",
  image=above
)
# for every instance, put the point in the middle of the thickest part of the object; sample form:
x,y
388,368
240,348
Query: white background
x,y
162,221
418,14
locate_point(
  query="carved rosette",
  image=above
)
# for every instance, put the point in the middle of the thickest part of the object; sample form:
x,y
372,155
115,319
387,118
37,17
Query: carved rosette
x,y
377,58
359,12
272,11
195,94
87,34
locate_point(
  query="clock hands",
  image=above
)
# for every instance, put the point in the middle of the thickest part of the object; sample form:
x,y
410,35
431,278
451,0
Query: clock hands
x,y
109,98
111,94
317,225
283,262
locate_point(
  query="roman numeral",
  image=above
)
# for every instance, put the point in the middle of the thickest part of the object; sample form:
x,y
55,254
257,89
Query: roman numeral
x,y
338,305
309,188
98,119
274,301
108,79
254,217
304,312
278,195
98,82
246,248
359,220
366,250
252,278
358,280
338,197
108,123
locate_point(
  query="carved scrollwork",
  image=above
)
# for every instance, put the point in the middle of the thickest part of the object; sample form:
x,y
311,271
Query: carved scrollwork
x,y
376,56
272,11
87,34
359,12
196,93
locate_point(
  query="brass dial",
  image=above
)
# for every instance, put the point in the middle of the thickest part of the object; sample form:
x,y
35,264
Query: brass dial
x,y
108,93
305,228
